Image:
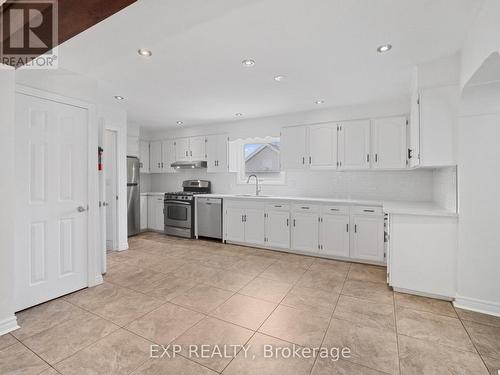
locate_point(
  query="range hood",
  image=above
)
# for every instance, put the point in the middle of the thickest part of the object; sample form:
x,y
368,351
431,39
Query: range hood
x,y
189,164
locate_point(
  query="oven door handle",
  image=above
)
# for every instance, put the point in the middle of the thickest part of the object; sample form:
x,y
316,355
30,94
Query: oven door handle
x,y
178,202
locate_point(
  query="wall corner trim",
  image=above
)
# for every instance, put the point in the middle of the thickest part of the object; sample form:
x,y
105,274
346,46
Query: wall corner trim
x,y
8,325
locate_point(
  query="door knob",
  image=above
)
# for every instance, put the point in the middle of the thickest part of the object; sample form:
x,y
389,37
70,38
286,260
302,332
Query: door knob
x,y
81,209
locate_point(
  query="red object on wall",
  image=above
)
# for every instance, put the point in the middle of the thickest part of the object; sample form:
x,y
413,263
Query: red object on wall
x,y
99,158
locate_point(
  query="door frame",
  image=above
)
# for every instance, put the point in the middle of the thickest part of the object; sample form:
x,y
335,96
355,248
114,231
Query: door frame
x,y
94,276
115,240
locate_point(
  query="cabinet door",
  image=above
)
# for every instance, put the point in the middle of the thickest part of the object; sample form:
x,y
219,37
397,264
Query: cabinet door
x,y
389,143
414,137
323,145
368,238
182,149
216,147
155,157
151,212
354,145
158,212
254,226
144,156
278,229
294,148
235,227
197,148
334,231
168,156
144,212
305,231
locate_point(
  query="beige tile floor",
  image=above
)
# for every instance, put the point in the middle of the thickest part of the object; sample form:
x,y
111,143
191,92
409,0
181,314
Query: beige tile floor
x,y
169,290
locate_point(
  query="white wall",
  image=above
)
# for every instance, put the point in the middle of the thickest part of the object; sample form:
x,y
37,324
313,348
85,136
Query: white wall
x,y
397,185
483,39
479,199
7,191
445,187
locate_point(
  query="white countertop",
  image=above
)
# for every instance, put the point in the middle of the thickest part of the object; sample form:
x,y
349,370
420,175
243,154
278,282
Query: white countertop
x,y
390,207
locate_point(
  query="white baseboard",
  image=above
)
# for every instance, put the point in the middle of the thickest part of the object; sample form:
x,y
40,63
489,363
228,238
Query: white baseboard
x,y
477,305
422,294
123,246
8,325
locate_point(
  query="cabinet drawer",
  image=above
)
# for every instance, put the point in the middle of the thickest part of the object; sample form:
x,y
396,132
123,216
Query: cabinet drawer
x,y
304,207
336,210
278,207
366,210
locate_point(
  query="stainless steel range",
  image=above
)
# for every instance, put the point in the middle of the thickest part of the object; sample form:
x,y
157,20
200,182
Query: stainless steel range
x,y
179,208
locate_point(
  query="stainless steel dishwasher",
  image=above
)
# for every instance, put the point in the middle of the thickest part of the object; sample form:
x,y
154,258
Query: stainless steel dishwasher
x,y
209,213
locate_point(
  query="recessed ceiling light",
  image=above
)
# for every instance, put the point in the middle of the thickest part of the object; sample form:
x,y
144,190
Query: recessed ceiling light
x,y
179,123
248,62
319,102
384,48
144,52
118,97
238,114
279,78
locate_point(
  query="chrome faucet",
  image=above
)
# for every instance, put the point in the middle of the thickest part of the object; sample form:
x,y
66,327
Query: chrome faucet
x,y
257,191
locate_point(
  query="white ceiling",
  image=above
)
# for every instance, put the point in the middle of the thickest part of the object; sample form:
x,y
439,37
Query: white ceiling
x,y
325,48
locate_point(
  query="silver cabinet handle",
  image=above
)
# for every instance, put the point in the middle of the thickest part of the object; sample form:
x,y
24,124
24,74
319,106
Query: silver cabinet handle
x,y
287,222
105,204
304,208
368,210
303,160
81,209
334,209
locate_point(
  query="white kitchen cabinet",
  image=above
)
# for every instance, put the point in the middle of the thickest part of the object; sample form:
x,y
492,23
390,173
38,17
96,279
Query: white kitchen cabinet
x,y
132,146
413,152
433,123
305,228
144,212
216,147
155,157
277,226
334,232
323,145
197,149
354,144
294,153
182,149
235,225
254,226
168,156
144,156
388,140
155,213
367,235
422,254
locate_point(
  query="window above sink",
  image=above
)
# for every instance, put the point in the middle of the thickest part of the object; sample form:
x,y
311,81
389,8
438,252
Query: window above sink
x,y
260,156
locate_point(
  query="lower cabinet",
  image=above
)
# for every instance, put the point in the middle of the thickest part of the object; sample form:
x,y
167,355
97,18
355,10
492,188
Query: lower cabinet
x,y
244,224
277,226
305,227
144,212
155,213
330,231
334,232
367,235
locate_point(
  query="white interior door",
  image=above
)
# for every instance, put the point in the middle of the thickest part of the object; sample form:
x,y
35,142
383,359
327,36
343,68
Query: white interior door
x,y
110,173
51,200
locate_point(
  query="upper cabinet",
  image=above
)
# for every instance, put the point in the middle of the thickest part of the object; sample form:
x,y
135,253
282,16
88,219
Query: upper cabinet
x,y
389,143
144,156
354,144
294,150
155,157
187,149
216,147
432,126
323,145
167,156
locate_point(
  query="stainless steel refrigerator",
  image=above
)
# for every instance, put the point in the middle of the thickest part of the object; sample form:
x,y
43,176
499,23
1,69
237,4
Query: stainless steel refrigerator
x,y
133,196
